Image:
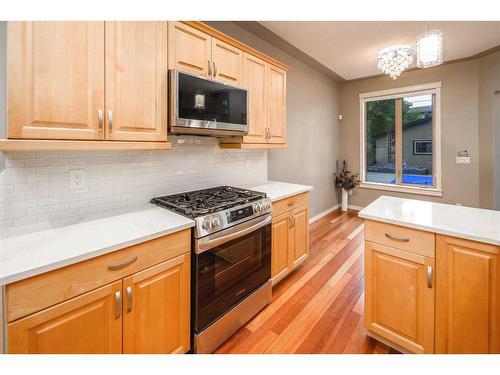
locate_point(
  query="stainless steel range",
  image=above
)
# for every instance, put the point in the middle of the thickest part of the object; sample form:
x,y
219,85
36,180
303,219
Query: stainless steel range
x,y
231,260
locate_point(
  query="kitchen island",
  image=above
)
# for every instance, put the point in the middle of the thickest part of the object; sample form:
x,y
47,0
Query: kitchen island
x,y
432,276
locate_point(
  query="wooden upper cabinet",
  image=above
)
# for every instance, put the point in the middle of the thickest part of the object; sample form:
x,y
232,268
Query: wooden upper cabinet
x,y
468,297
276,111
399,297
136,81
156,308
55,79
227,62
255,81
88,324
189,49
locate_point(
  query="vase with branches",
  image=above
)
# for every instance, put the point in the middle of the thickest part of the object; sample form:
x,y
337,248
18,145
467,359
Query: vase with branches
x,y
346,180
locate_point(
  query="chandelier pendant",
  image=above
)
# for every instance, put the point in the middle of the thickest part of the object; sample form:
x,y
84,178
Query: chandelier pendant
x,y
430,49
395,59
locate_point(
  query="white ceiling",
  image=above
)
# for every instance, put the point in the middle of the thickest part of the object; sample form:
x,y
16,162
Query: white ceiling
x,y
350,48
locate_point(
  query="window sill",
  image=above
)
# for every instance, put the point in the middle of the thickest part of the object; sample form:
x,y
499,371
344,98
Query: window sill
x,y
402,189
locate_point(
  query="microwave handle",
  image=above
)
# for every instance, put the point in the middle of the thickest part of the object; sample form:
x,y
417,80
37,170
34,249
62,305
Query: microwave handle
x,y
209,242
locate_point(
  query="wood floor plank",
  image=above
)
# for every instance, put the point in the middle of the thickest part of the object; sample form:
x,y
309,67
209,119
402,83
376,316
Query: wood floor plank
x,y
318,308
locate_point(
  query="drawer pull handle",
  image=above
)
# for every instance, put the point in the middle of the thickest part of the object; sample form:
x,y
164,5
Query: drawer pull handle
x,y
130,301
291,203
118,305
429,277
399,239
115,267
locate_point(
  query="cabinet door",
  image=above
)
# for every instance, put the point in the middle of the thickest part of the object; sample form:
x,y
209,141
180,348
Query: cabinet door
x,y
399,298
255,81
136,79
281,238
228,62
468,297
189,49
156,308
276,110
300,228
88,324
55,79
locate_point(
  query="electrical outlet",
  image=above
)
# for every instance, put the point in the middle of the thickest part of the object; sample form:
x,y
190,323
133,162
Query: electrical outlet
x,y
78,179
463,159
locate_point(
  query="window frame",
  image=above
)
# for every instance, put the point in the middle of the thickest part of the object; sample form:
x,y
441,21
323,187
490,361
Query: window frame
x,y
428,88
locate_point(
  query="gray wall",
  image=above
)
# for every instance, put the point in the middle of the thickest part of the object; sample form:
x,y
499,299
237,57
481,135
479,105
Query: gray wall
x,y
459,126
489,82
3,87
312,126
496,148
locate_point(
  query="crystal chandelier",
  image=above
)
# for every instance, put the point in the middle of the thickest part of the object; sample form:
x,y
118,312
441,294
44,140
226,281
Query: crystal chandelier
x,y
430,49
393,60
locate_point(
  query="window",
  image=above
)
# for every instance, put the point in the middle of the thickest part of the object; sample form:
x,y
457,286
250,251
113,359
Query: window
x,y
400,135
422,147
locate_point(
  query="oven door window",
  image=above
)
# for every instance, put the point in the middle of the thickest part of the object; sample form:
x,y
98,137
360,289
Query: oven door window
x,y
228,273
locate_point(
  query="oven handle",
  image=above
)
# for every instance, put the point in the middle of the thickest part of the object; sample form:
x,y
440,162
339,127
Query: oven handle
x,y
209,242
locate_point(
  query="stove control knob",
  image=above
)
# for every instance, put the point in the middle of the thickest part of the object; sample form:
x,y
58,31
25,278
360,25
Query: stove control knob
x,y
215,222
261,207
268,205
256,209
207,224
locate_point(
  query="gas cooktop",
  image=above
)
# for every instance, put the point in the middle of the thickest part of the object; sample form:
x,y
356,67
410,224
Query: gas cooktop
x,y
198,203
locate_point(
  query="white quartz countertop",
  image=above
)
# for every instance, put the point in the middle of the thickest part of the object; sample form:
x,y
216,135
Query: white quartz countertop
x,y
280,190
38,252
464,222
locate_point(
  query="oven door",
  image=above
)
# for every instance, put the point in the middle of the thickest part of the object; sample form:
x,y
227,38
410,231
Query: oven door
x,y
230,265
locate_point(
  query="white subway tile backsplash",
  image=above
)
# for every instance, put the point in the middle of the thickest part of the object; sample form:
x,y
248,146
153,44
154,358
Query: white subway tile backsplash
x,y
34,186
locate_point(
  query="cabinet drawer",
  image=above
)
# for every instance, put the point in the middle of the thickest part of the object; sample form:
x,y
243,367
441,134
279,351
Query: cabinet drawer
x,y
290,203
39,292
412,240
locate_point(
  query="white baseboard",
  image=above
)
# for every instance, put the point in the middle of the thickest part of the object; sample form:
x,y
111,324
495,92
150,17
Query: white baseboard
x,y
357,208
324,213
331,209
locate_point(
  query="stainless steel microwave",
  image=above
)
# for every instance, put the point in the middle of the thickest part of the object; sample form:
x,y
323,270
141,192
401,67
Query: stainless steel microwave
x,y
203,106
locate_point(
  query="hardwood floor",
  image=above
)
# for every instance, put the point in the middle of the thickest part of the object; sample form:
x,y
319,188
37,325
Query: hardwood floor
x,y
319,307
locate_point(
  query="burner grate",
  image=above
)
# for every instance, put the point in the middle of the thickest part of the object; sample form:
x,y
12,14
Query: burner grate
x,y
207,201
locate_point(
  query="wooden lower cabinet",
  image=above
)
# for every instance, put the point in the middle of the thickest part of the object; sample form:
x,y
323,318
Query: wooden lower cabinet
x,y
156,309
399,297
300,235
468,296
280,264
146,312
90,324
290,244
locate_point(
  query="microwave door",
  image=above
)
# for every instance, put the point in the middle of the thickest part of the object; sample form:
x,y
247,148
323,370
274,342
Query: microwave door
x,y
207,107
